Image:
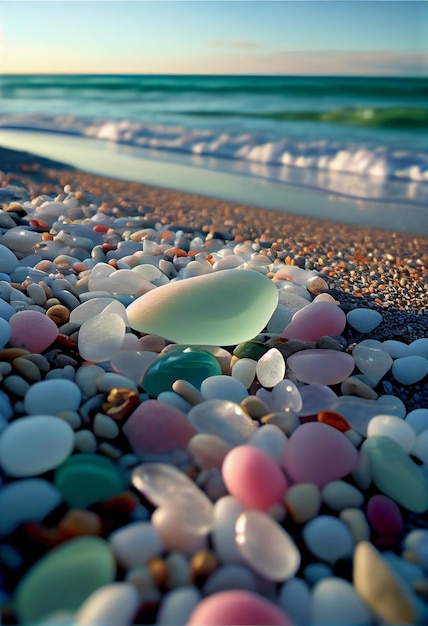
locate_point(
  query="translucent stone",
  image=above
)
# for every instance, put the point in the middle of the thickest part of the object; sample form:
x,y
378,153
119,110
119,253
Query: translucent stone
x,y
230,577
420,448
224,419
359,411
176,535
316,398
364,320
395,348
285,396
395,428
111,605
135,544
335,602
223,387
132,363
92,308
339,495
270,368
326,367
118,281
101,337
276,557
328,538
419,347
226,512
270,439
418,420
244,370
165,485
314,321
223,308
410,369
372,362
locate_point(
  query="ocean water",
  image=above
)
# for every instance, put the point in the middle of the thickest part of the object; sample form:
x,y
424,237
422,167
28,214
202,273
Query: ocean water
x,y
360,138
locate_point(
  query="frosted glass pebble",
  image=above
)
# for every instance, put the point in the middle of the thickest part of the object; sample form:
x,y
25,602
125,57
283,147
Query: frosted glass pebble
x,y
418,420
328,538
110,605
26,500
224,419
364,320
34,445
335,601
32,330
207,451
119,281
372,362
52,396
175,533
316,398
135,544
395,348
419,347
303,502
253,477
339,495
177,606
276,557
326,367
226,512
317,453
314,321
230,577
241,608
410,369
359,411
285,396
420,447
270,439
223,308
223,388
270,369
294,274
91,308
132,363
244,370
295,599
280,318
100,337
165,485
395,428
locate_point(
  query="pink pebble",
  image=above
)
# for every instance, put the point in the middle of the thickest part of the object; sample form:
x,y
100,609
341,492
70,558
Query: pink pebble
x,y
317,453
155,427
230,608
325,367
315,321
253,477
32,331
384,516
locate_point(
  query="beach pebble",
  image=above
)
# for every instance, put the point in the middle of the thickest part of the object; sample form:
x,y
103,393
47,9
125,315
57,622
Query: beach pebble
x,y
177,606
32,330
328,538
339,495
384,516
315,398
228,577
223,419
5,332
253,477
419,347
132,364
8,261
395,348
277,557
244,370
34,445
408,370
177,535
357,523
418,420
194,311
420,447
207,451
395,428
271,440
64,578
239,608
52,396
105,427
154,427
314,321
285,396
325,367
135,544
226,511
295,599
335,602
101,337
372,362
113,604
303,502
223,387
270,369
364,320
317,453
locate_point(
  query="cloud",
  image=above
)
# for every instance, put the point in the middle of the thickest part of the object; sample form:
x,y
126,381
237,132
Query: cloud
x,y
234,43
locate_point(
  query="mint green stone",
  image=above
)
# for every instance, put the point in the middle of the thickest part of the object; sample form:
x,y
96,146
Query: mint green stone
x,y
84,479
396,475
250,350
182,363
64,578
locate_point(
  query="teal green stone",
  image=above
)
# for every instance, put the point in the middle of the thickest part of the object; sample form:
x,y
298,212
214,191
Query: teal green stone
x,y
64,578
250,350
84,479
396,475
182,363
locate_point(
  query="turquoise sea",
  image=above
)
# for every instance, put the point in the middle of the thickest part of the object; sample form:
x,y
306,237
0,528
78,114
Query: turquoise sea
x,y
364,139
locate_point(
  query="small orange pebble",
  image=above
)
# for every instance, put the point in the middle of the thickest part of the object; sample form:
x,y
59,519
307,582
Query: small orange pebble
x,y
331,418
79,267
65,341
175,252
108,247
100,228
47,237
39,224
78,522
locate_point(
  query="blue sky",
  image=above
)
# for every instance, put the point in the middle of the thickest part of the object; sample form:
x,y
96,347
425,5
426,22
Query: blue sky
x,y
243,37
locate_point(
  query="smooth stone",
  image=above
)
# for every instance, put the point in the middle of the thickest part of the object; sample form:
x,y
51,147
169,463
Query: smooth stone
x,y
105,427
155,428
276,557
418,420
27,500
244,370
238,608
359,411
335,602
384,516
223,387
339,495
363,320
281,317
84,479
317,453
224,419
52,397
92,308
270,439
5,332
380,588
325,367
314,321
177,606
189,364
408,370
357,523
34,445
314,572
228,577
100,337
316,398
295,599
270,369
118,281
255,407
135,544
419,347
64,578
207,451
165,485
294,274
32,330
395,428
285,396
113,604
85,441
395,348
132,363
420,447
253,477
226,512
328,538
353,386
250,350
396,475
223,308
177,536
303,502
8,261
372,362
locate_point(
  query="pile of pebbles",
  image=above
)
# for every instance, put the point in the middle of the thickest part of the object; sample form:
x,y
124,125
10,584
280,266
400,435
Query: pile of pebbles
x,y
205,422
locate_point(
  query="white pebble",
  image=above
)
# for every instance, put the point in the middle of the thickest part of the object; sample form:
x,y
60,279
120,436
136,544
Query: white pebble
x,y
395,428
101,337
270,369
226,512
110,605
244,370
135,544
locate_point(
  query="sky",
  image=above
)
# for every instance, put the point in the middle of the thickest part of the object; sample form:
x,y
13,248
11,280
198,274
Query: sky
x,y
322,37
